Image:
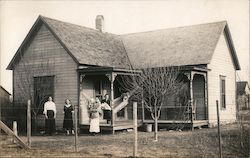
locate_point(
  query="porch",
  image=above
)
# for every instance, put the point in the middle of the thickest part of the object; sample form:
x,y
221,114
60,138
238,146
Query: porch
x,y
96,82
188,108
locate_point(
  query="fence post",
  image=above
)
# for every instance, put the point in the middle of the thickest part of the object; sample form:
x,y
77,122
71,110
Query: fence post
x,y
14,129
218,124
135,129
76,131
29,122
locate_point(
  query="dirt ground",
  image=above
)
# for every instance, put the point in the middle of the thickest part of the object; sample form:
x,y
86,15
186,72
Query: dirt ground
x,y
200,143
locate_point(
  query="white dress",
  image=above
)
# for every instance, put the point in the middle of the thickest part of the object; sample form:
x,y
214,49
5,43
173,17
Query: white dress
x,y
95,123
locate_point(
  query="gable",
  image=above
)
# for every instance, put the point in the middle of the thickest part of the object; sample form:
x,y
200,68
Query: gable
x,y
222,59
86,46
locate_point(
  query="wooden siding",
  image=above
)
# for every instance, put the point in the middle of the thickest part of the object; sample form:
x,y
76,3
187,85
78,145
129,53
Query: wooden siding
x,y
5,107
45,52
222,64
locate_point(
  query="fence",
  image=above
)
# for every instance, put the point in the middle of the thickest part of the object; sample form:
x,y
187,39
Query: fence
x,y
200,143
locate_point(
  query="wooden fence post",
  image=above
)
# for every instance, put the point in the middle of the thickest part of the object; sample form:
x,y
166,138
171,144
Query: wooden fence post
x,y
29,122
135,149
218,124
76,131
14,128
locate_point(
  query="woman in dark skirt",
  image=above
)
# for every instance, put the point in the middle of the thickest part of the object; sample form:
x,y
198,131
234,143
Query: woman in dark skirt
x,y
68,121
50,115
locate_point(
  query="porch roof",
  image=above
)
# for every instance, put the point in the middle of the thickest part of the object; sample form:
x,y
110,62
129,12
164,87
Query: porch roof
x,y
194,68
103,70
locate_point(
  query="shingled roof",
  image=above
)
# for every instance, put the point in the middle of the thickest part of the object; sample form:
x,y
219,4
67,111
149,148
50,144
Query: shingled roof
x,y
182,46
189,45
87,46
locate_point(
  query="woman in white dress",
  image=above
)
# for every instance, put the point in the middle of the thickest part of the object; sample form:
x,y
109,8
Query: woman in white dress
x,y
94,114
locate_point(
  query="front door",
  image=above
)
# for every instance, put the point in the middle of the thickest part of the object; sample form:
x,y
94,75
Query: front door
x,y
43,88
199,97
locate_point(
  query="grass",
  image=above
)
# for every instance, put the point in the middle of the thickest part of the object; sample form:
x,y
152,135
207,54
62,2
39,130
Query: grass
x,y
200,143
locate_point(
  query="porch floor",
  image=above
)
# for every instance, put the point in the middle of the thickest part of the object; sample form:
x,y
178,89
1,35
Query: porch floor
x,y
118,125
128,124
196,123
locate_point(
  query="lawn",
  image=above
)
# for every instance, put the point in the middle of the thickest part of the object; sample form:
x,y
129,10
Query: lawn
x,y
200,143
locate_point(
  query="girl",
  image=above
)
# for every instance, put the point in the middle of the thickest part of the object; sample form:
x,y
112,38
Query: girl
x,y
68,121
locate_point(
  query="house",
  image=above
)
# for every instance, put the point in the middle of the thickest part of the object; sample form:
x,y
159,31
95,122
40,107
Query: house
x,y
5,106
65,60
243,94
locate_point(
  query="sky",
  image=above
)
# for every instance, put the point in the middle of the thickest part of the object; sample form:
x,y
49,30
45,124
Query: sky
x,y
121,17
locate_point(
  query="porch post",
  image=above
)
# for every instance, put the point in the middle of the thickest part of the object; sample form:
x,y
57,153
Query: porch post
x,y
191,99
112,79
206,95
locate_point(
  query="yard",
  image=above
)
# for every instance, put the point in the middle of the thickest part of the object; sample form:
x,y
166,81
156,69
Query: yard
x,y
200,143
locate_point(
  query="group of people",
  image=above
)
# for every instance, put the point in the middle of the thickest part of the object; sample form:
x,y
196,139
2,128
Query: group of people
x,y
96,109
50,115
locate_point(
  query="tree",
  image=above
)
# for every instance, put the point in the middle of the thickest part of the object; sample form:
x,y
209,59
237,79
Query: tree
x,y
154,86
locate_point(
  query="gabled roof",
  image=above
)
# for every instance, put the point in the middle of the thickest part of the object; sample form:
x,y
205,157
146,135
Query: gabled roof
x,y
241,87
182,46
86,46
189,45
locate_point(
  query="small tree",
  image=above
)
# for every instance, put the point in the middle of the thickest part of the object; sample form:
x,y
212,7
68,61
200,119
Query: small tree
x,y
30,67
154,86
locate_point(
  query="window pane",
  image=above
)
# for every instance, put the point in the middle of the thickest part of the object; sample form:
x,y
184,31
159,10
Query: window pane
x,y
223,92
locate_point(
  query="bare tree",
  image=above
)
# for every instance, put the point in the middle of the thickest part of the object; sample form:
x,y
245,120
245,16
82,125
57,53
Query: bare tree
x,y
154,86
31,72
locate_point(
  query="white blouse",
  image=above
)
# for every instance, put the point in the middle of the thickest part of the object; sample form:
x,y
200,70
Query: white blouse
x,y
49,105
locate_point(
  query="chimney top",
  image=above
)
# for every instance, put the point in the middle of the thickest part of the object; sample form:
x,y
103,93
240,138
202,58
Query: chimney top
x,y
99,23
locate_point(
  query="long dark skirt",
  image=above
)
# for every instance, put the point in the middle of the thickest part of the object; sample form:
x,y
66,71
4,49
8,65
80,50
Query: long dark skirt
x,y
107,114
50,123
68,124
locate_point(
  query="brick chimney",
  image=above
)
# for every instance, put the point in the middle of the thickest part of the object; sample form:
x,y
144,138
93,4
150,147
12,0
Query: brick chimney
x,y
99,23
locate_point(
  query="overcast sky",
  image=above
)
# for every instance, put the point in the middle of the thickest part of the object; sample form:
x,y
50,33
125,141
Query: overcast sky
x,y
17,17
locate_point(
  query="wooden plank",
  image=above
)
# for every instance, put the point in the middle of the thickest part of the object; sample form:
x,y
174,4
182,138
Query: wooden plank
x,y
29,122
76,128
12,134
218,123
135,149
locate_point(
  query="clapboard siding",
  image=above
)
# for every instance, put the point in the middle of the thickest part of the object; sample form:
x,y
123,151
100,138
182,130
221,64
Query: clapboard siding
x,y
222,64
44,56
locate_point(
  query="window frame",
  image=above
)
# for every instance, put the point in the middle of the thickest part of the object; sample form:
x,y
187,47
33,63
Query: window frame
x,y
223,92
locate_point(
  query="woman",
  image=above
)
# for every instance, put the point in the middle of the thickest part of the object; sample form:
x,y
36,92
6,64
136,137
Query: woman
x,y
94,113
50,115
106,109
68,121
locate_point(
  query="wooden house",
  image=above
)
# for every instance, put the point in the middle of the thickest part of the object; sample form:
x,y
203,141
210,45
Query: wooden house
x,y
243,95
5,107
64,60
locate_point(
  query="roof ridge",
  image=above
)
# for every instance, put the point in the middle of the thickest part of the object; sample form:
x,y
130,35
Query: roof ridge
x,y
44,17
178,27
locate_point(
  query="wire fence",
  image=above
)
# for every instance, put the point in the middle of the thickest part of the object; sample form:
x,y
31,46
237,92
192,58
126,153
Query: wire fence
x,y
172,142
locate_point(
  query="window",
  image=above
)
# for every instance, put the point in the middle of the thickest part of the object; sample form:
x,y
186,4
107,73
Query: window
x,y
223,92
